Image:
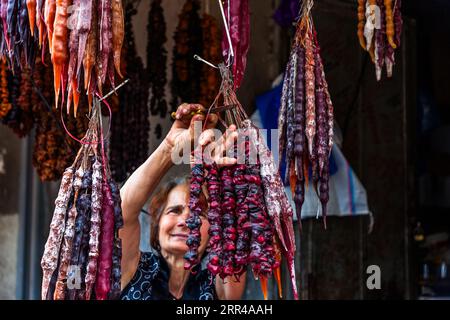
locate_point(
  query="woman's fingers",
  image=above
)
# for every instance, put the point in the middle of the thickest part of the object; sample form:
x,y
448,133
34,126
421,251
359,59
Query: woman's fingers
x,y
226,134
187,110
195,128
211,120
216,146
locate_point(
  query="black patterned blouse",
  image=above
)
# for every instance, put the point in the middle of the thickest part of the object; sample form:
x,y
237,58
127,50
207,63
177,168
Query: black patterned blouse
x,y
151,281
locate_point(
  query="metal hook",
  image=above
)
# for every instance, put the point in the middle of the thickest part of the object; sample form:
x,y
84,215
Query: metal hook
x,y
197,57
114,90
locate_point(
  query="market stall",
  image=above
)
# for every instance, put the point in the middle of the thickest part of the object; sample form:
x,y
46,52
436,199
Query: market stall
x,y
94,86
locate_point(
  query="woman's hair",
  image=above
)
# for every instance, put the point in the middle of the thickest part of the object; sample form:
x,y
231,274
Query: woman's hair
x,y
157,205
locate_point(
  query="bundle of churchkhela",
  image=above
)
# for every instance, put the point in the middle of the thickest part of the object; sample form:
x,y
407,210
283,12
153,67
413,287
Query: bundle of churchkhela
x,y
237,15
305,123
19,33
379,32
84,39
249,214
15,103
130,124
93,42
82,255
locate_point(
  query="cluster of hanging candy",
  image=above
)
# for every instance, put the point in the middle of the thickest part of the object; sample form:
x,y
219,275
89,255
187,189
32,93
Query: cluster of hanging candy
x,y
237,15
305,121
249,214
15,103
130,124
379,31
84,38
21,33
82,256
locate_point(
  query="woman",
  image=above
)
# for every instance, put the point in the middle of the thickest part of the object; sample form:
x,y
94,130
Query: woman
x,y
161,274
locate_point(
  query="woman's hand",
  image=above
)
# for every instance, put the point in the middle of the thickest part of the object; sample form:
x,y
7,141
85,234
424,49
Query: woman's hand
x,y
181,134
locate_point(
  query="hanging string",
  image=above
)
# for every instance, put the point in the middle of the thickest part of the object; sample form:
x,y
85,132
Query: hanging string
x,y
230,59
83,141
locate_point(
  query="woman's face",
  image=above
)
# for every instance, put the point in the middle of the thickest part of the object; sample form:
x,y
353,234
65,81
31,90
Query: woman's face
x,y
173,231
